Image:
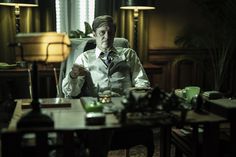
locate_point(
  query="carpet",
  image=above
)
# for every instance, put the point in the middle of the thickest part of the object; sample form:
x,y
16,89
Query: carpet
x,y
139,150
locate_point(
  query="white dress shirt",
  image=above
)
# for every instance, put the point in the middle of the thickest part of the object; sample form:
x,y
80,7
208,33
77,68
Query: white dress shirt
x,y
124,71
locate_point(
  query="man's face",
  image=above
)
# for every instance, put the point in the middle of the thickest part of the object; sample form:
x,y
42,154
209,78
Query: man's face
x,y
104,36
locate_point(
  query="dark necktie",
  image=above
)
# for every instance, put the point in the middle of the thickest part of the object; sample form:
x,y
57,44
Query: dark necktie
x,y
106,59
109,58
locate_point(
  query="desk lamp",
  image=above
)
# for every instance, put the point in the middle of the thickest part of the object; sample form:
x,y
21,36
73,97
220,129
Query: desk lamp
x,y
17,4
40,47
136,6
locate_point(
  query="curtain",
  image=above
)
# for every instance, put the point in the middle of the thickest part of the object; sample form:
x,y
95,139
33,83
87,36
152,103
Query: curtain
x,y
6,33
71,14
125,24
35,19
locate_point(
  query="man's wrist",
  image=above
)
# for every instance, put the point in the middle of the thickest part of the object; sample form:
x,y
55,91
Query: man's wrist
x,y
72,76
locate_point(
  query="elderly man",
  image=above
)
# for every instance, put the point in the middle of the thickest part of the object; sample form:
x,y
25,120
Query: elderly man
x,y
105,67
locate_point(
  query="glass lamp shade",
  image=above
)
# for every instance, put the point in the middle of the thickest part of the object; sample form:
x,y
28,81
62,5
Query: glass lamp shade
x,y
21,3
137,4
43,47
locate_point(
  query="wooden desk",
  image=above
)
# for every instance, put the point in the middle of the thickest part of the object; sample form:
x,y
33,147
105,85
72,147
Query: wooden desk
x,y
73,118
210,123
226,108
64,117
15,82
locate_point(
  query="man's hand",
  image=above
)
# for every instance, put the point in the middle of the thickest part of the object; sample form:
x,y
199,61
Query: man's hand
x,y
139,89
77,70
109,92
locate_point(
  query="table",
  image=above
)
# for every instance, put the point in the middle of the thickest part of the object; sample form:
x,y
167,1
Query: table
x,y
64,117
10,78
74,118
211,124
226,108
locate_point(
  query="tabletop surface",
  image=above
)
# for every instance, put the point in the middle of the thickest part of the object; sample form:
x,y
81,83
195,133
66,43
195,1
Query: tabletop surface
x,y
73,116
224,107
224,102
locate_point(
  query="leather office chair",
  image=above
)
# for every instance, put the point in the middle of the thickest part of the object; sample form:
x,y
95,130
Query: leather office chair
x,y
122,139
41,143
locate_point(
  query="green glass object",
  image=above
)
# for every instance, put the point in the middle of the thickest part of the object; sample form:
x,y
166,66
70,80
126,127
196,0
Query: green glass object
x,y
94,106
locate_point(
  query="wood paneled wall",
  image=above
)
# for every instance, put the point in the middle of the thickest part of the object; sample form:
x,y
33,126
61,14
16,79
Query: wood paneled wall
x,y
181,67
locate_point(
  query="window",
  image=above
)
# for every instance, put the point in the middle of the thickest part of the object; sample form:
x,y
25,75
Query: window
x,y
71,14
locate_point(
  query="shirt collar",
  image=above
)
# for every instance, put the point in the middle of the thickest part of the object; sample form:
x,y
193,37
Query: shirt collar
x,y
98,51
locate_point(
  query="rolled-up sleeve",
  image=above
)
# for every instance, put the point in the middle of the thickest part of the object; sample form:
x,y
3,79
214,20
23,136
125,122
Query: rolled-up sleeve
x,y
139,76
72,87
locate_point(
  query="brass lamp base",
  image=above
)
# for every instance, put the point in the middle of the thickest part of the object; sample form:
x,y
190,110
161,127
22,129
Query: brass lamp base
x,y
35,119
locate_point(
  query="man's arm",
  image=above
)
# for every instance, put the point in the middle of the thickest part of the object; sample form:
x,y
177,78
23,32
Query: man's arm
x,y
139,76
73,82
71,87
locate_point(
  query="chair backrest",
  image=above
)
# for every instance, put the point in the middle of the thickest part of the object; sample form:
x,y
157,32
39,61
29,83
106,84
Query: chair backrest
x,y
40,143
186,71
79,46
